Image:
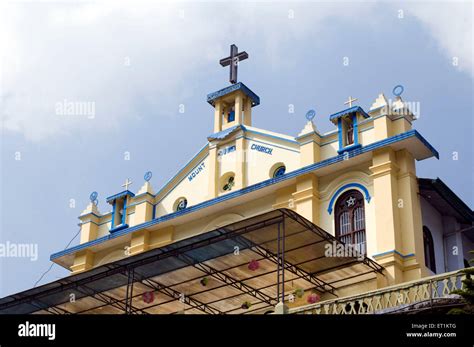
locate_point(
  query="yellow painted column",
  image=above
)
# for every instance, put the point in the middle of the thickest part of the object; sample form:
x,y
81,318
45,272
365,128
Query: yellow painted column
x,y
161,237
90,219
310,151
83,260
306,197
411,225
238,108
88,231
241,163
140,242
388,236
284,198
213,171
144,210
382,128
218,116
248,112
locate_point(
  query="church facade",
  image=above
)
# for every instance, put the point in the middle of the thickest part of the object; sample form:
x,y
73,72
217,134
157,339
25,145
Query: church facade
x,y
358,183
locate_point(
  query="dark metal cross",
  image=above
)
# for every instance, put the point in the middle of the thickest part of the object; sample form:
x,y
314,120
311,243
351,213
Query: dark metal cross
x,y
233,61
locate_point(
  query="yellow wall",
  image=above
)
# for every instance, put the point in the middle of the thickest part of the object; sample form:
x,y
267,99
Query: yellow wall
x,y
388,175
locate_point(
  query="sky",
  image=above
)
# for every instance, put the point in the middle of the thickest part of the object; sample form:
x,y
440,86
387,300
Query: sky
x,y
141,73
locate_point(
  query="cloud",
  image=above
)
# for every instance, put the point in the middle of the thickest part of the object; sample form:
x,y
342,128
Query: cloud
x,y
118,59
450,24
125,58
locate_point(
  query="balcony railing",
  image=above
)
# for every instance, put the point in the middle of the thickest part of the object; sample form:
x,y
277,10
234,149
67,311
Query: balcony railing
x,y
377,301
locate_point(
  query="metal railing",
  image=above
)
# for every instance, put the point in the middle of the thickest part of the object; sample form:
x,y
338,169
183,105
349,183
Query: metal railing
x,y
384,299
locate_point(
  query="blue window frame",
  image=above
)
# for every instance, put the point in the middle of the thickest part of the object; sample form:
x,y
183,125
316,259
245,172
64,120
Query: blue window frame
x,y
119,214
231,116
279,171
344,134
182,204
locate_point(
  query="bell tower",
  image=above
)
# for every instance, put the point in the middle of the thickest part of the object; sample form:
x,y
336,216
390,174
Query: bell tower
x,y
233,104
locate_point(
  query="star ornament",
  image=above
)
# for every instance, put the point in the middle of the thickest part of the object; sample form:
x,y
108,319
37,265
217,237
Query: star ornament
x,y
351,201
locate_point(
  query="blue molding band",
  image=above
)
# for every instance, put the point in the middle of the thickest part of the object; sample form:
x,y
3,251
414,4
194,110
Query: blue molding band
x,y
345,187
348,111
120,227
230,89
224,133
271,144
270,136
182,169
349,148
396,252
119,195
88,214
252,188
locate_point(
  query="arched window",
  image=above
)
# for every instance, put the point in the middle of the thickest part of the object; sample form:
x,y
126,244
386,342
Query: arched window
x,y
428,245
279,171
181,204
228,184
350,219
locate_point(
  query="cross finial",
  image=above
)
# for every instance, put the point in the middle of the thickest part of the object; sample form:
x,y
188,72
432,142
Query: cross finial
x,y
233,60
127,183
350,101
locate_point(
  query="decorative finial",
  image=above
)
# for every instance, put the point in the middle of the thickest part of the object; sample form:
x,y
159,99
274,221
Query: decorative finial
x,y
398,90
93,198
233,60
350,101
148,176
127,183
310,115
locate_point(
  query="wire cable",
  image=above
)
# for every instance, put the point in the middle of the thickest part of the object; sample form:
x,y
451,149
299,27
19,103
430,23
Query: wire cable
x,y
52,264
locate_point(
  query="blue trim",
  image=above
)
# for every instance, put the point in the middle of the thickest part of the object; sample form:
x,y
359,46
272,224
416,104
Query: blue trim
x,y
227,90
271,136
184,177
224,133
182,169
122,224
139,203
124,214
249,189
345,187
119,195
339,131
355,129
394,251
112,221
142,194
118,228
356,109
88,214
298,138
349,148
425,142
271,144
